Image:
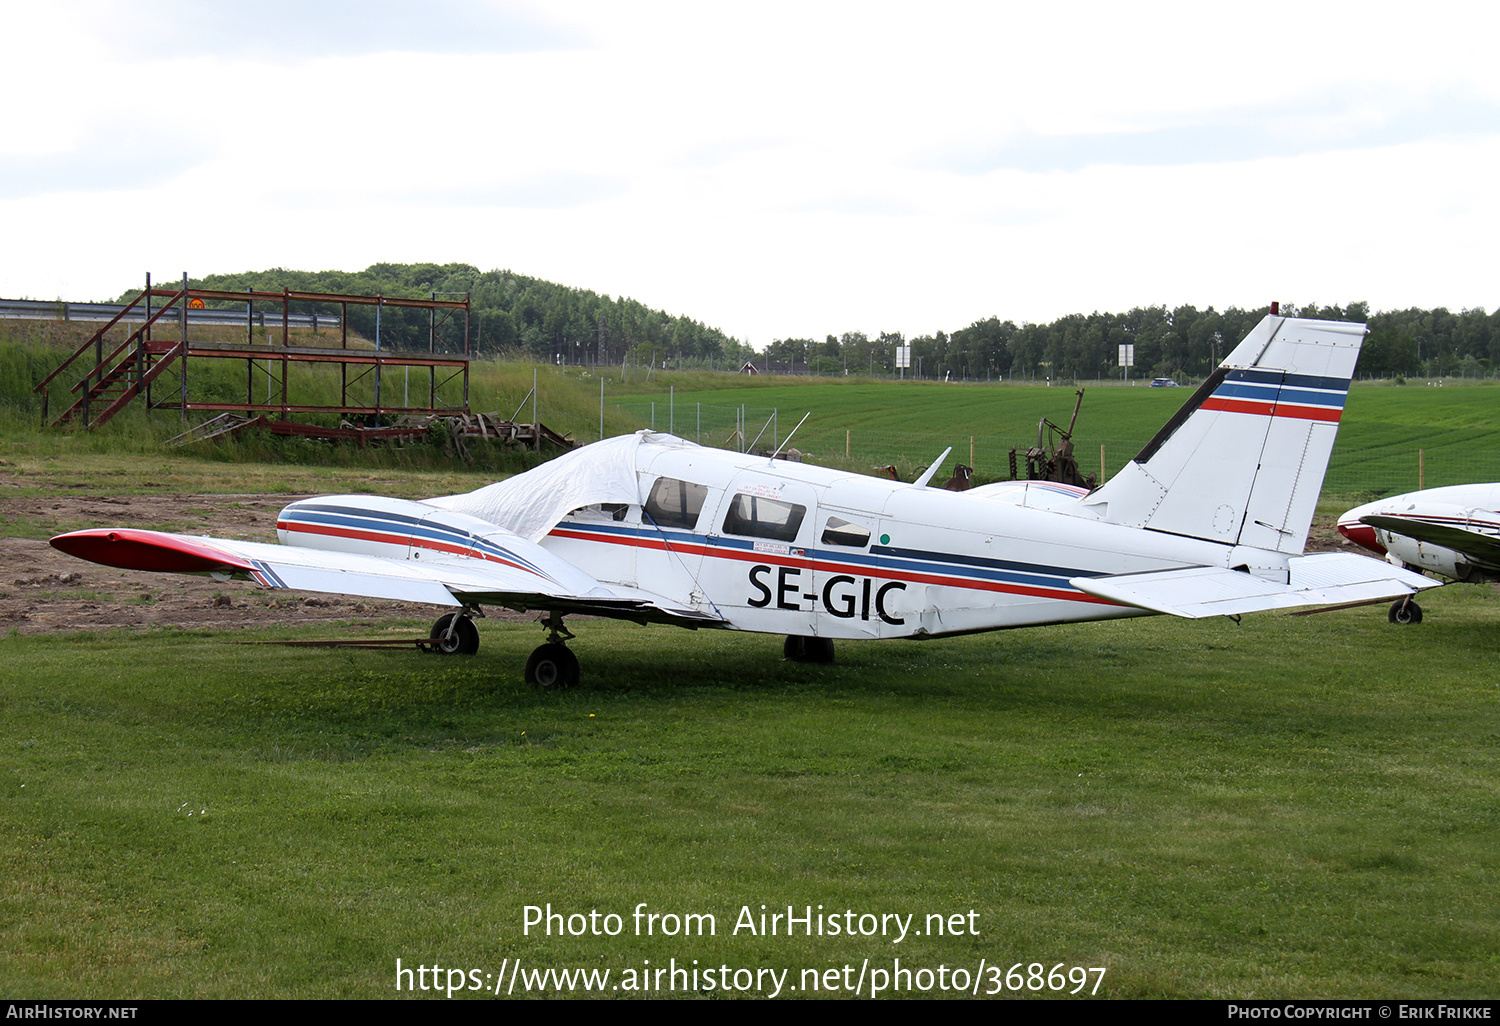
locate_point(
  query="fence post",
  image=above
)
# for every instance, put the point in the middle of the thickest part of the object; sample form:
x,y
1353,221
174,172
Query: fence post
x,y
1421,469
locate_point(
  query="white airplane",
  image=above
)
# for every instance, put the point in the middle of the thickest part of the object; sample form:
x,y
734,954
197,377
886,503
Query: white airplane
x,y
1210,519
1453,531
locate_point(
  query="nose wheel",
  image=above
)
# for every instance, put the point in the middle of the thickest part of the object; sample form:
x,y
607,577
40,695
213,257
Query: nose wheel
x,y
802,649
553,665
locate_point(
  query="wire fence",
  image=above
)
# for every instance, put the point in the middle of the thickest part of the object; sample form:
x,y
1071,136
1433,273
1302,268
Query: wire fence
x,y
1354,473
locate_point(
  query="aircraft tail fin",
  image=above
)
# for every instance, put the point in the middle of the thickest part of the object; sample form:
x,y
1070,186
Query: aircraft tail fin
x,y
1243,461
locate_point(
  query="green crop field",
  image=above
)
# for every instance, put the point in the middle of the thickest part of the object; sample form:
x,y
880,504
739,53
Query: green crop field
x,y
1390,437
1290,807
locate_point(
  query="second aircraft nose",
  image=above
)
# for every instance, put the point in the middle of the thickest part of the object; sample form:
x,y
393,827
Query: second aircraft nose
x,y
1360,534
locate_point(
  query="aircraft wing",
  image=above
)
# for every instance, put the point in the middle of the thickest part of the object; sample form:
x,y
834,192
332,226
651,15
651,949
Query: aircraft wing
x,y
532,579
1480,548
1196,592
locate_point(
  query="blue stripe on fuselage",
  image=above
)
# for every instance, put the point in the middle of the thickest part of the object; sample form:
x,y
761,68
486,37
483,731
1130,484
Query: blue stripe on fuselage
x,y
880,560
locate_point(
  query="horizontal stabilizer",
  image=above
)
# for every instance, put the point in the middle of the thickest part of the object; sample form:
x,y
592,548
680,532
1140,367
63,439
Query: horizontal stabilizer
x,y
1319,580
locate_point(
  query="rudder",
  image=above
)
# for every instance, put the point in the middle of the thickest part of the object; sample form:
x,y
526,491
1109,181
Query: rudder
x,y
1242,463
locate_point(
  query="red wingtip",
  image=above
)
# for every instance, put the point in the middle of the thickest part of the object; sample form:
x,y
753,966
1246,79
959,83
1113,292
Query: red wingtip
x,y
147,550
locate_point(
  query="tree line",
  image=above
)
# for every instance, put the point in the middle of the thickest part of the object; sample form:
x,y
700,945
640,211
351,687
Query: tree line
x,y
509,314
1181,343
515,314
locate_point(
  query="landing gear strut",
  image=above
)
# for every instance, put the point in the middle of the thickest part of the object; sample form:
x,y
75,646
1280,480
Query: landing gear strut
x,y
455,634
553,665
801,649
1406,611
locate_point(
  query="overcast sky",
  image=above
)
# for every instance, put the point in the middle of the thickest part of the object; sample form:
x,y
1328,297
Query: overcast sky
x,y
771,169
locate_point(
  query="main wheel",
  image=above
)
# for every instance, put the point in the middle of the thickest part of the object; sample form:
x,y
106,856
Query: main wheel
x,y
801,649
1406,611
552,665
463,641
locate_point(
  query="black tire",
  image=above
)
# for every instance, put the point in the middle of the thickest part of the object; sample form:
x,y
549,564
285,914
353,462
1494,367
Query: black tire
x,y
801,649
552,666
1406,611
465,639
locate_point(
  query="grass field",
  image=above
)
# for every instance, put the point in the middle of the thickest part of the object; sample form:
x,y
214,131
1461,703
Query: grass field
x,y
1457,427
1288,807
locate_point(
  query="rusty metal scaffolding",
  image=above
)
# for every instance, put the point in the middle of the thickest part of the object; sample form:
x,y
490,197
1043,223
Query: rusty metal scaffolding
x,y
115,378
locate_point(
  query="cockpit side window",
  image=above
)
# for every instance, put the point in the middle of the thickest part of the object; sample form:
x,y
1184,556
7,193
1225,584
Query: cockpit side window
x,y
759,517
675,503
841,532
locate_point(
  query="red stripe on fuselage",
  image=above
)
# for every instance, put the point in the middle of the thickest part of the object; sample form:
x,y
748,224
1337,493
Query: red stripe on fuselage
x,y
825,566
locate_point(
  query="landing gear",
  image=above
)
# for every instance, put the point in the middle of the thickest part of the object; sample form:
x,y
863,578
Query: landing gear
x,y
553,665
801,649
1406,611
455,634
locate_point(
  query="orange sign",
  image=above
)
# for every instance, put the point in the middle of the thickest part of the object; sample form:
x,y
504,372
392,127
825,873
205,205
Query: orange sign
x,y
195,304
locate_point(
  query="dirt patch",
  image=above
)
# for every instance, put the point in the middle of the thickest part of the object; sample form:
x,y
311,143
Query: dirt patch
x,y
43,590
1324,537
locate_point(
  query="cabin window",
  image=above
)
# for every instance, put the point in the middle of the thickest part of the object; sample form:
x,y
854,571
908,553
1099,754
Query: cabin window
x,y
601,511
840,532
675,503
760,517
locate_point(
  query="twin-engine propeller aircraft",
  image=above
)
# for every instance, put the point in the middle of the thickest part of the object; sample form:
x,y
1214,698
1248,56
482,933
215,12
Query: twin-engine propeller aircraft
x,y
1453,532
1210,519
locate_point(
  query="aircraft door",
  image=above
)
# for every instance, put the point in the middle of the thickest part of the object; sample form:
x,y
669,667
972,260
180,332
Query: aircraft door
x,y
669,558
760,569
856,598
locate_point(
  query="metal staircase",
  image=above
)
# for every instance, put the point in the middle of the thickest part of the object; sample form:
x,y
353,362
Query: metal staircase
x,y
108,375
114,378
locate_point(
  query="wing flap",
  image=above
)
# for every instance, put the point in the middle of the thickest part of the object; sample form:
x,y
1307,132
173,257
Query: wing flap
x,y
1196,592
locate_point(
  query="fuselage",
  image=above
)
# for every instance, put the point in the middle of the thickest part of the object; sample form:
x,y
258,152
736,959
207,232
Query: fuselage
x,y
779,547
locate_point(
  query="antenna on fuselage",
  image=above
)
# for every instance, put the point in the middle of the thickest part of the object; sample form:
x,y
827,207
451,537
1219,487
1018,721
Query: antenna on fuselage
x,y
760,432
790,433
921,482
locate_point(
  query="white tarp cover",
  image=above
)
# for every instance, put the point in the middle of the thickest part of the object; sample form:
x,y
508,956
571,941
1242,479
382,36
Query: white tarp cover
x,y
532,503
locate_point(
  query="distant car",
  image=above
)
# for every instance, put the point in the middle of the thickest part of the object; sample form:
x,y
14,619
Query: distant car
x,y
1163,383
